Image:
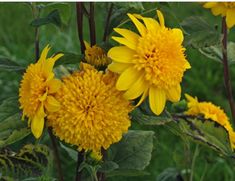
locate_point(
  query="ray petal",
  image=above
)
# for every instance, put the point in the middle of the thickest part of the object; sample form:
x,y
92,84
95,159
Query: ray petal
x,y
157,100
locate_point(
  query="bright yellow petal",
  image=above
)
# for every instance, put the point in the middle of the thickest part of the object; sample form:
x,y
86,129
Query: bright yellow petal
x,y
118,67
217,10
48,65
151,24
161,18
51,104
157,100
136,89
125,42
129,35
87,45
37,123
230,18
190,98
54,85
210,4
179,34
127,78
187,65
144,95
43,97
174,94
138,24
44,54
121,54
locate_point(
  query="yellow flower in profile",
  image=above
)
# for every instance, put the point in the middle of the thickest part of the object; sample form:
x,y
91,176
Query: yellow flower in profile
x,y
96,56
37,89
210,111
226,9
149,63
93,113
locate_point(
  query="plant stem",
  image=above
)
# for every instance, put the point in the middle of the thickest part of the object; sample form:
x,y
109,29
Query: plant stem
x,y
196,152
79,162
36,44
92,24
107,22
80,25
227,80
101,175
56,155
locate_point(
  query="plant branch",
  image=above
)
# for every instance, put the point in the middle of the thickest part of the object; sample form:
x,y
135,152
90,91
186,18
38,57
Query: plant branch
x,y
92,24
107,22
56,155
80,25
79,162
227,80
101,175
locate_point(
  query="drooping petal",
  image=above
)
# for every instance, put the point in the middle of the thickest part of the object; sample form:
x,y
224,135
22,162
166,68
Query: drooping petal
x,y
118,67
37,123
144,95
125,42
230,18
174,94
51,104
44,54
218,10
157,100
179,34
136,89
121,54
161,18
127,78
54,85
138,24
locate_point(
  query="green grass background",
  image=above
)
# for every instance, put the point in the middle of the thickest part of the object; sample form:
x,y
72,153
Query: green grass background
x,y
204,80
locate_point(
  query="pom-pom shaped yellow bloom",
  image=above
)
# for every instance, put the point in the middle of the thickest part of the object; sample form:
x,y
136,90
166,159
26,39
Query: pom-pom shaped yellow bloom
x,y
210,111
37,90
93,112
149,63
224,9
96,56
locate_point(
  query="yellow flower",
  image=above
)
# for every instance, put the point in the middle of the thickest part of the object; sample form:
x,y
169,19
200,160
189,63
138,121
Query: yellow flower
x,y
224,9
93,113
151,63
210,111
96,56
37,89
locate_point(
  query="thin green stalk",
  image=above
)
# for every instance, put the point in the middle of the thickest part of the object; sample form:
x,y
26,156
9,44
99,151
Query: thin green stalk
x,y
196,152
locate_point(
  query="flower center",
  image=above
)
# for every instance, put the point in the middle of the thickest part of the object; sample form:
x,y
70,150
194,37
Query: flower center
x,y
161,56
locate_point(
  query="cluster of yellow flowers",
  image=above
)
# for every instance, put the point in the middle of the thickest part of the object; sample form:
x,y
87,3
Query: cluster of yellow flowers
x,y
90,108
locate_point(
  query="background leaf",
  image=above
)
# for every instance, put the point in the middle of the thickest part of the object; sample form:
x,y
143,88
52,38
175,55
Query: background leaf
x,y
9,65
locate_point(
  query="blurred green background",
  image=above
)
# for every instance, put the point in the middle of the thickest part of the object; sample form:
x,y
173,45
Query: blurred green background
x,y
204,80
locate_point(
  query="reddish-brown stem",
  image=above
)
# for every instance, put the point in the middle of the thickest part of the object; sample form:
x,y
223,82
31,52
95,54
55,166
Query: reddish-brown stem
x,y
227,80
92,24
80,25
107,22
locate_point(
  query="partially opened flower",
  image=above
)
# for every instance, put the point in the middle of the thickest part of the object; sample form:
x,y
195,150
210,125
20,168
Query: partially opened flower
x,y
37,89
210,111
226,9
96,56
93,113
149,63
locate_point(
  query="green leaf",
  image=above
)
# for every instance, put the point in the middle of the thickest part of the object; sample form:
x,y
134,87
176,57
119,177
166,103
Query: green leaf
x,y
69,58
207,132
71,152
53,18
215,52
108,166
127,173
133,151
170,174
9,65
199,32
9,107
140,117
129,5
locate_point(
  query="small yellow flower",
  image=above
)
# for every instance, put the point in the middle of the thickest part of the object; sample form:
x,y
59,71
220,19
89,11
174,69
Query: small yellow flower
x,y
37,89
96,56
210,111
224,9
149,63
93,113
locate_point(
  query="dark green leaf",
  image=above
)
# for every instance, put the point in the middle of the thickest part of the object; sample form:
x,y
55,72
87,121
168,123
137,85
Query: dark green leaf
x,y
9,65
69,58
133,151
71,152
170,174
9,107
53,17
108,166
127,173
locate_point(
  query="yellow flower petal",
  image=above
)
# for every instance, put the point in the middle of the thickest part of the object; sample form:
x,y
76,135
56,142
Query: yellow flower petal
x,y
51,104
127,78
129,35
151,24
157,100
138,24
54,85
125,41
144,95
210,4
179,34
37,123
218,10
136,89
174,94
121,54
44,54
230,18
118,67
87,45
161,18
